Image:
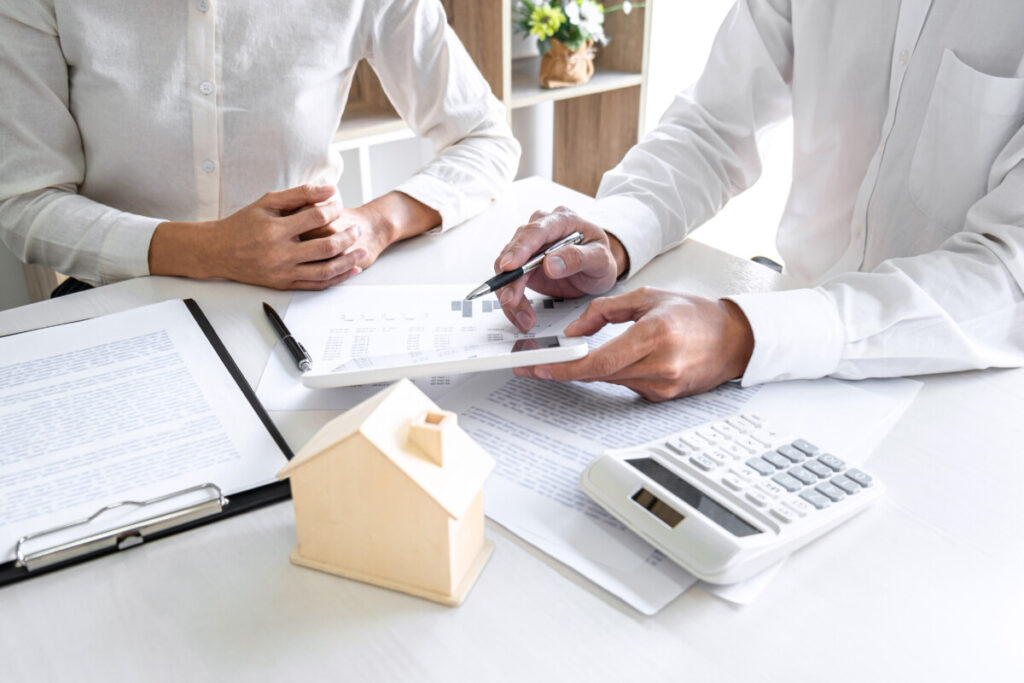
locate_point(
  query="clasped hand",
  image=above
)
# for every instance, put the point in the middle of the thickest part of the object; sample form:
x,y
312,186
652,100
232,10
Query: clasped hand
x,y
678,345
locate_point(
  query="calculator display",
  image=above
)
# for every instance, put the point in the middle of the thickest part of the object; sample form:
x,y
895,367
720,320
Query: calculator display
x,y
694,497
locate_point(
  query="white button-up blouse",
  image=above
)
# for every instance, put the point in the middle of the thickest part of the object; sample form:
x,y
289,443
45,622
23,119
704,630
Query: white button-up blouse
x,y
117,116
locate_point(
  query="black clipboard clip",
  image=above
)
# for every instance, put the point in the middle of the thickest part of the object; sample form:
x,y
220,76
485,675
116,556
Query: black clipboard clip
x,y
123,536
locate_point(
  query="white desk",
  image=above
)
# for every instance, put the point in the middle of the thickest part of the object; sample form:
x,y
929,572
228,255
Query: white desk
x,y
926,585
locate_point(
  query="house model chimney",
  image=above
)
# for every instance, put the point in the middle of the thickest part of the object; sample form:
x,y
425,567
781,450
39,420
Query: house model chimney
x,y
428,432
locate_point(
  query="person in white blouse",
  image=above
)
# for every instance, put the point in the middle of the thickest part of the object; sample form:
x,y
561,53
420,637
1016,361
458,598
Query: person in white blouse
x,y
193,137
904,229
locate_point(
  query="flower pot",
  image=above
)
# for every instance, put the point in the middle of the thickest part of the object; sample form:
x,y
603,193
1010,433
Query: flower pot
x,y
561,66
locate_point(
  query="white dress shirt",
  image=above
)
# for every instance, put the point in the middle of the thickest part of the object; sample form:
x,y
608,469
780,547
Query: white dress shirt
x,y
117,116
905,220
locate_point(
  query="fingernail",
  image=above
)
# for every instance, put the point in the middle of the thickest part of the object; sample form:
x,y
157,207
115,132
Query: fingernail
x,y
356,270
541,373
556,266
505,261
523,319
521,372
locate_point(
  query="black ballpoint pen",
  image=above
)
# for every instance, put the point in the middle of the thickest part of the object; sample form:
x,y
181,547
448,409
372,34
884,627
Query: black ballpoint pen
x,y
297,350
502,279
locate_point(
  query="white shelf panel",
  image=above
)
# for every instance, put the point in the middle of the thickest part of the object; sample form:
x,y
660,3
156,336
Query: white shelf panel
x,y
526,90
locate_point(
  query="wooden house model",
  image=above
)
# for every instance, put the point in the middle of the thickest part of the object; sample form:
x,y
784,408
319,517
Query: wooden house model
x,y
390,493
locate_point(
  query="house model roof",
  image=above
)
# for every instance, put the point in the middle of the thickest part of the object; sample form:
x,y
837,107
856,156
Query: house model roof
x,y
384,421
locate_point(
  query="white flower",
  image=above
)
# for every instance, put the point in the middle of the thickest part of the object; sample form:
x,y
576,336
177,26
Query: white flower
x,y
627,7
591,13
572,11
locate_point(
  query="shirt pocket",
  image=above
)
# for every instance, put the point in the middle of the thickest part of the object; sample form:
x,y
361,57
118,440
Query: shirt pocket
x,y
970,118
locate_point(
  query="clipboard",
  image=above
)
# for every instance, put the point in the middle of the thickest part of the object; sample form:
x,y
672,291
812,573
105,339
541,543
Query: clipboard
x,y
215,505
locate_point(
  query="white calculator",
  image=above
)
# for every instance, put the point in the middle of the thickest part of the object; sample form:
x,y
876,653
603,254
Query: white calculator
x,y
729,498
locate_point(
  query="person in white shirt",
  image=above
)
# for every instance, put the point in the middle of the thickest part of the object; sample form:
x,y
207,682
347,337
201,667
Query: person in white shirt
x,y
904,229
193,138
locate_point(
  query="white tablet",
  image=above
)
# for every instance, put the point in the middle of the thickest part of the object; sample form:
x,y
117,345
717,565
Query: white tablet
x,y
492,356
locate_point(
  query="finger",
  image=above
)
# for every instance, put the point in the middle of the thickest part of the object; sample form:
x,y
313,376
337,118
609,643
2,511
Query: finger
x,y
327,247
530,239
296,197
515,304
605,361
316,285
608,309
312,218
590,261
321,271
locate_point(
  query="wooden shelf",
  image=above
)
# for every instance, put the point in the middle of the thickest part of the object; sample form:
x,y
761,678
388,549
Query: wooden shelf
x,y
365,122
526,90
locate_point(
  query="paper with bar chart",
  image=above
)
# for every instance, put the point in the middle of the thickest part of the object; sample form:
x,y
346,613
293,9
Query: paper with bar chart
x,y
354,321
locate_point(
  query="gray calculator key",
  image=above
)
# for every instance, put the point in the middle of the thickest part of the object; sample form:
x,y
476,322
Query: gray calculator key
x,y
816,499
803,474
761,466
791,453
818,469
790,483
830,490
846,484
777,460
806,446
832,461
859,477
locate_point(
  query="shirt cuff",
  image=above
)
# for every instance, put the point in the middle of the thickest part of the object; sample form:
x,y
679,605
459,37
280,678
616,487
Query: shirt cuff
x,y
452,204
125,250
797,335
632,223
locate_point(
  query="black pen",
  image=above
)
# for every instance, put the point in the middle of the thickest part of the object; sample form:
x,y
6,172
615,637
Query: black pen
x,y
504,278
297,350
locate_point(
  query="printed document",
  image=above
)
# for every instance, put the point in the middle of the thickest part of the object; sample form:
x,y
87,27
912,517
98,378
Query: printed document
x,y
128,406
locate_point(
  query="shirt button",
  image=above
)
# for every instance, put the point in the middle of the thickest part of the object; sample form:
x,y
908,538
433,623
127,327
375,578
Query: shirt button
x,y
206,87
203,5
209,166
904,57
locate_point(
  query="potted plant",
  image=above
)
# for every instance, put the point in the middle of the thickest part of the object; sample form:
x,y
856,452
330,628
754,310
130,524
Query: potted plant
x,y
567,32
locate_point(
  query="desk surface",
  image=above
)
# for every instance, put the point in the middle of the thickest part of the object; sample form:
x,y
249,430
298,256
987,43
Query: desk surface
x,y
925,585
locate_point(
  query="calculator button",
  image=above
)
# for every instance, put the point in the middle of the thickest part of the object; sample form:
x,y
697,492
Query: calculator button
x,y
791,453
718,456
735,450
788,482
770,489
703,462
846,484
687,443
753,419
739,425
710,435
750,444
806,446
744,473
816,499
832,461
784,514
757,498
817,468
734,482
803,474
676,449
859,477
725,430
776,459
830,490
760,466
798,506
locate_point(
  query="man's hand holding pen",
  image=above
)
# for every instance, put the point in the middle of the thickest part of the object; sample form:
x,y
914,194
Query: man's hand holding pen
x,y
679,344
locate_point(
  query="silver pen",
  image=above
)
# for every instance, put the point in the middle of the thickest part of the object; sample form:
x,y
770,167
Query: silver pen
x,y
504,278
